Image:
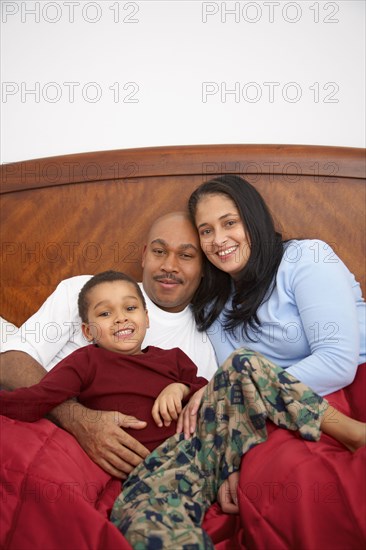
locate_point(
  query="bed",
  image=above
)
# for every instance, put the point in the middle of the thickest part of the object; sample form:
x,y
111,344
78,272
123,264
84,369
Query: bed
x,y
84,213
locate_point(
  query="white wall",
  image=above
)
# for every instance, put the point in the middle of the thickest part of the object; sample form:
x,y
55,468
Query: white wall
x,y
296,71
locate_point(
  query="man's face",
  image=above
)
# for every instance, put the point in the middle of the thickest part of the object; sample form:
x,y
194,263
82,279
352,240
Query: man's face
x,y
172,263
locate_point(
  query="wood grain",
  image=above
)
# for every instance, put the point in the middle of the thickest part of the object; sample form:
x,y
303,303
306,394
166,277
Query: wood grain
x,y
77,214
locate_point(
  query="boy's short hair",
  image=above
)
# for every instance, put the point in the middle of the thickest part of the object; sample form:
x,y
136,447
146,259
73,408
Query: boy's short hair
x,y
103,277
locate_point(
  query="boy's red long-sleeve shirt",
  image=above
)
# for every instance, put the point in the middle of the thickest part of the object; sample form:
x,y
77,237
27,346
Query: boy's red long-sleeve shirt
x,y
104,380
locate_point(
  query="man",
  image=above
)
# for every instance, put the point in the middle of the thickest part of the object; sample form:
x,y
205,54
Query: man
x,y
172,272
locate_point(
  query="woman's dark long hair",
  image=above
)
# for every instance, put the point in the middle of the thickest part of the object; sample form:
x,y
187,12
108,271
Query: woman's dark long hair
x,y
253,285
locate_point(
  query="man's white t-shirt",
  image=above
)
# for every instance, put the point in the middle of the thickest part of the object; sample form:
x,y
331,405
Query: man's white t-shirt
x,y
55,330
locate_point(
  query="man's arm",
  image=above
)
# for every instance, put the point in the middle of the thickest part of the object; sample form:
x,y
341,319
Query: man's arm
x,y
101,435
18,369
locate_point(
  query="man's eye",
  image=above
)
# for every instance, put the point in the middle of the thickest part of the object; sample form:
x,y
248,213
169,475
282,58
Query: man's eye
x,y
186,256
158,251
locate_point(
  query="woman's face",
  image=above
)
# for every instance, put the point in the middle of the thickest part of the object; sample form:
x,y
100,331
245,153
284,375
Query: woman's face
x,y
222,233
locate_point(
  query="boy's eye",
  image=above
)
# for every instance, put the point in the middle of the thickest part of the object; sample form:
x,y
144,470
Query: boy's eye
x,y
131,308
104,314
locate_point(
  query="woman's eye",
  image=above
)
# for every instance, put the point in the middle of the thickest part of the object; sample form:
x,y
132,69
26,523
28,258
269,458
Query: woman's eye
x,y
230,223
205,232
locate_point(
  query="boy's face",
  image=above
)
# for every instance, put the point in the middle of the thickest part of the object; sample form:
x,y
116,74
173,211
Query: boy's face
x,y
117,319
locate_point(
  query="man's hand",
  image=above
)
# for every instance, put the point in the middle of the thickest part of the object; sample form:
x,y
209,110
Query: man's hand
x,y
187,420
168,404
101,435
227,496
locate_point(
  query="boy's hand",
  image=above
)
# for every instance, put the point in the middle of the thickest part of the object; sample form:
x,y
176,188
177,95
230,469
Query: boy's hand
x,y
168,404
188,418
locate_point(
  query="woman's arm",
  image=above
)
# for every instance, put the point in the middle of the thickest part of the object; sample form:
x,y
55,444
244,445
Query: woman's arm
x,y
325,294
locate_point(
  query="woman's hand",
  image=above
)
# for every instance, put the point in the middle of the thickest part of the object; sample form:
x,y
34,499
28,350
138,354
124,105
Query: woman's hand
x,y
168,404
227,496
187,420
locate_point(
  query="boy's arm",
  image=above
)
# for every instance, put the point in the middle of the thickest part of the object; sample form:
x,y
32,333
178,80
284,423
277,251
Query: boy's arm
x,y
188,374
168,404
188,417
63,382
104,441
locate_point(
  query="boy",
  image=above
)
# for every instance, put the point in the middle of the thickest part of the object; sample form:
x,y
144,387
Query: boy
x,y
114,374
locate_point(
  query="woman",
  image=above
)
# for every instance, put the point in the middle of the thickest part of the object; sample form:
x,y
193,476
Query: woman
x,y
293,301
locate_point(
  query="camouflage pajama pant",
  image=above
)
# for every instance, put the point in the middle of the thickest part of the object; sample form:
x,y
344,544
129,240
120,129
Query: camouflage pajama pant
x,y
164,499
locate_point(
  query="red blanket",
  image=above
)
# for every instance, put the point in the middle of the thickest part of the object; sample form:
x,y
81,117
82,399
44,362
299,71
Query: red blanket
x,y
292,493
303,495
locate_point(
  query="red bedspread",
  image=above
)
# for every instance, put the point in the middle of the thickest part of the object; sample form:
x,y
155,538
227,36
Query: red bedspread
x,y
292,493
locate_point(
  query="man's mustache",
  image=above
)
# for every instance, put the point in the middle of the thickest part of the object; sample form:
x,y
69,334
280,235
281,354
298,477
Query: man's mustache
x,y
168,276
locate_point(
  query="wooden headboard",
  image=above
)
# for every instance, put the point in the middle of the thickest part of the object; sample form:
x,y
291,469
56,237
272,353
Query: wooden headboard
x,y
84,213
